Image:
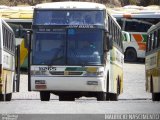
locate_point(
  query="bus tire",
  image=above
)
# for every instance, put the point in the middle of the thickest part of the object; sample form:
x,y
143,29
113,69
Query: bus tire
x,y
131,55
44,95
113,97
107,96
155,96
101,96
151,84
66,98
8,97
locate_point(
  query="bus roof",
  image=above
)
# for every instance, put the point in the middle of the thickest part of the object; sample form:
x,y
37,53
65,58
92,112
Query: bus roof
x,y
153,27
71,5
2,21
138,15
136,11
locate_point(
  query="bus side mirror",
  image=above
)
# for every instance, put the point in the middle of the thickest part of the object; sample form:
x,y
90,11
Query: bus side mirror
x,y
126,36
108,43
18,33
27,38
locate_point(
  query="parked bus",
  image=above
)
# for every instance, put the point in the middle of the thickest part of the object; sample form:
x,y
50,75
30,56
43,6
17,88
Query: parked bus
x,y
20,19
153,62
9,80
136,25
75,49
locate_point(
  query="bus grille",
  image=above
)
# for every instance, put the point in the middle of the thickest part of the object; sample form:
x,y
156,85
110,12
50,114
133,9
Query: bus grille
x,y
65,73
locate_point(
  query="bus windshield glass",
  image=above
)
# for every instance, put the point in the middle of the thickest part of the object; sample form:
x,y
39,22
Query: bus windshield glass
x,y
68,47
69,17
134,26
49,47
85,47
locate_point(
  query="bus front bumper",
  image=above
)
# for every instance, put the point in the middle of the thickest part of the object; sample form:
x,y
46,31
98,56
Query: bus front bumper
x,y
93,84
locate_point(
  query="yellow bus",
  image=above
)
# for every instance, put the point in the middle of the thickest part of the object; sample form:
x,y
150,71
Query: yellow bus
x,y
9,80
75,50
153,62
20,19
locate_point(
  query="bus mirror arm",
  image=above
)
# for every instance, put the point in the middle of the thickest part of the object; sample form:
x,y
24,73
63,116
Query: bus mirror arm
x,y
108,43
16,83
27,38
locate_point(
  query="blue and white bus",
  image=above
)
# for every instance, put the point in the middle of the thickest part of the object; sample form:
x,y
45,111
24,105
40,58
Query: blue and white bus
x,y
75,49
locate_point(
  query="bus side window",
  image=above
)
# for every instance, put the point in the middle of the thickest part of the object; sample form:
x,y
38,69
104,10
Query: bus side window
x,y
120,22
149,42
17,30
152,41
158,38
113,31
155,39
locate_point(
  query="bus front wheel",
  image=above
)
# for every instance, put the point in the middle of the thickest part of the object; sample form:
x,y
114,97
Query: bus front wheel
x,y
155,96
113,97
6,97
9,97
44,95
101,96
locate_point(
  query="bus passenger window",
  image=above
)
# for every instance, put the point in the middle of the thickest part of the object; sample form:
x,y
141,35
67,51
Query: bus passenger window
x,y
158,37
152,42
149,42
155,39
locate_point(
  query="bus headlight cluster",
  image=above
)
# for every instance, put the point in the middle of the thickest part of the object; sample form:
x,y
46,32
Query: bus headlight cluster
x,y
92,74
38,73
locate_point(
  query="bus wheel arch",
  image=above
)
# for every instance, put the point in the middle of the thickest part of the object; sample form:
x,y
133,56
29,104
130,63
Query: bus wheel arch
x,y
155,96
118,85
130,54
107,87
114,96
151,84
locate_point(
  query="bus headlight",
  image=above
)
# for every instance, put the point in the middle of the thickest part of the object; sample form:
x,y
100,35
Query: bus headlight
x,y
100,73
39,73
92,74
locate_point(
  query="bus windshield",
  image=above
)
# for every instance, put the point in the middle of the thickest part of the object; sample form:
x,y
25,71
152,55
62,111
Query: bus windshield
x,y
68,17
68,47
85,47
49,47
135,26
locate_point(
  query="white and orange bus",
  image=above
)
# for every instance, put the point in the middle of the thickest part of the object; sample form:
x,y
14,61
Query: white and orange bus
x,y
136,24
